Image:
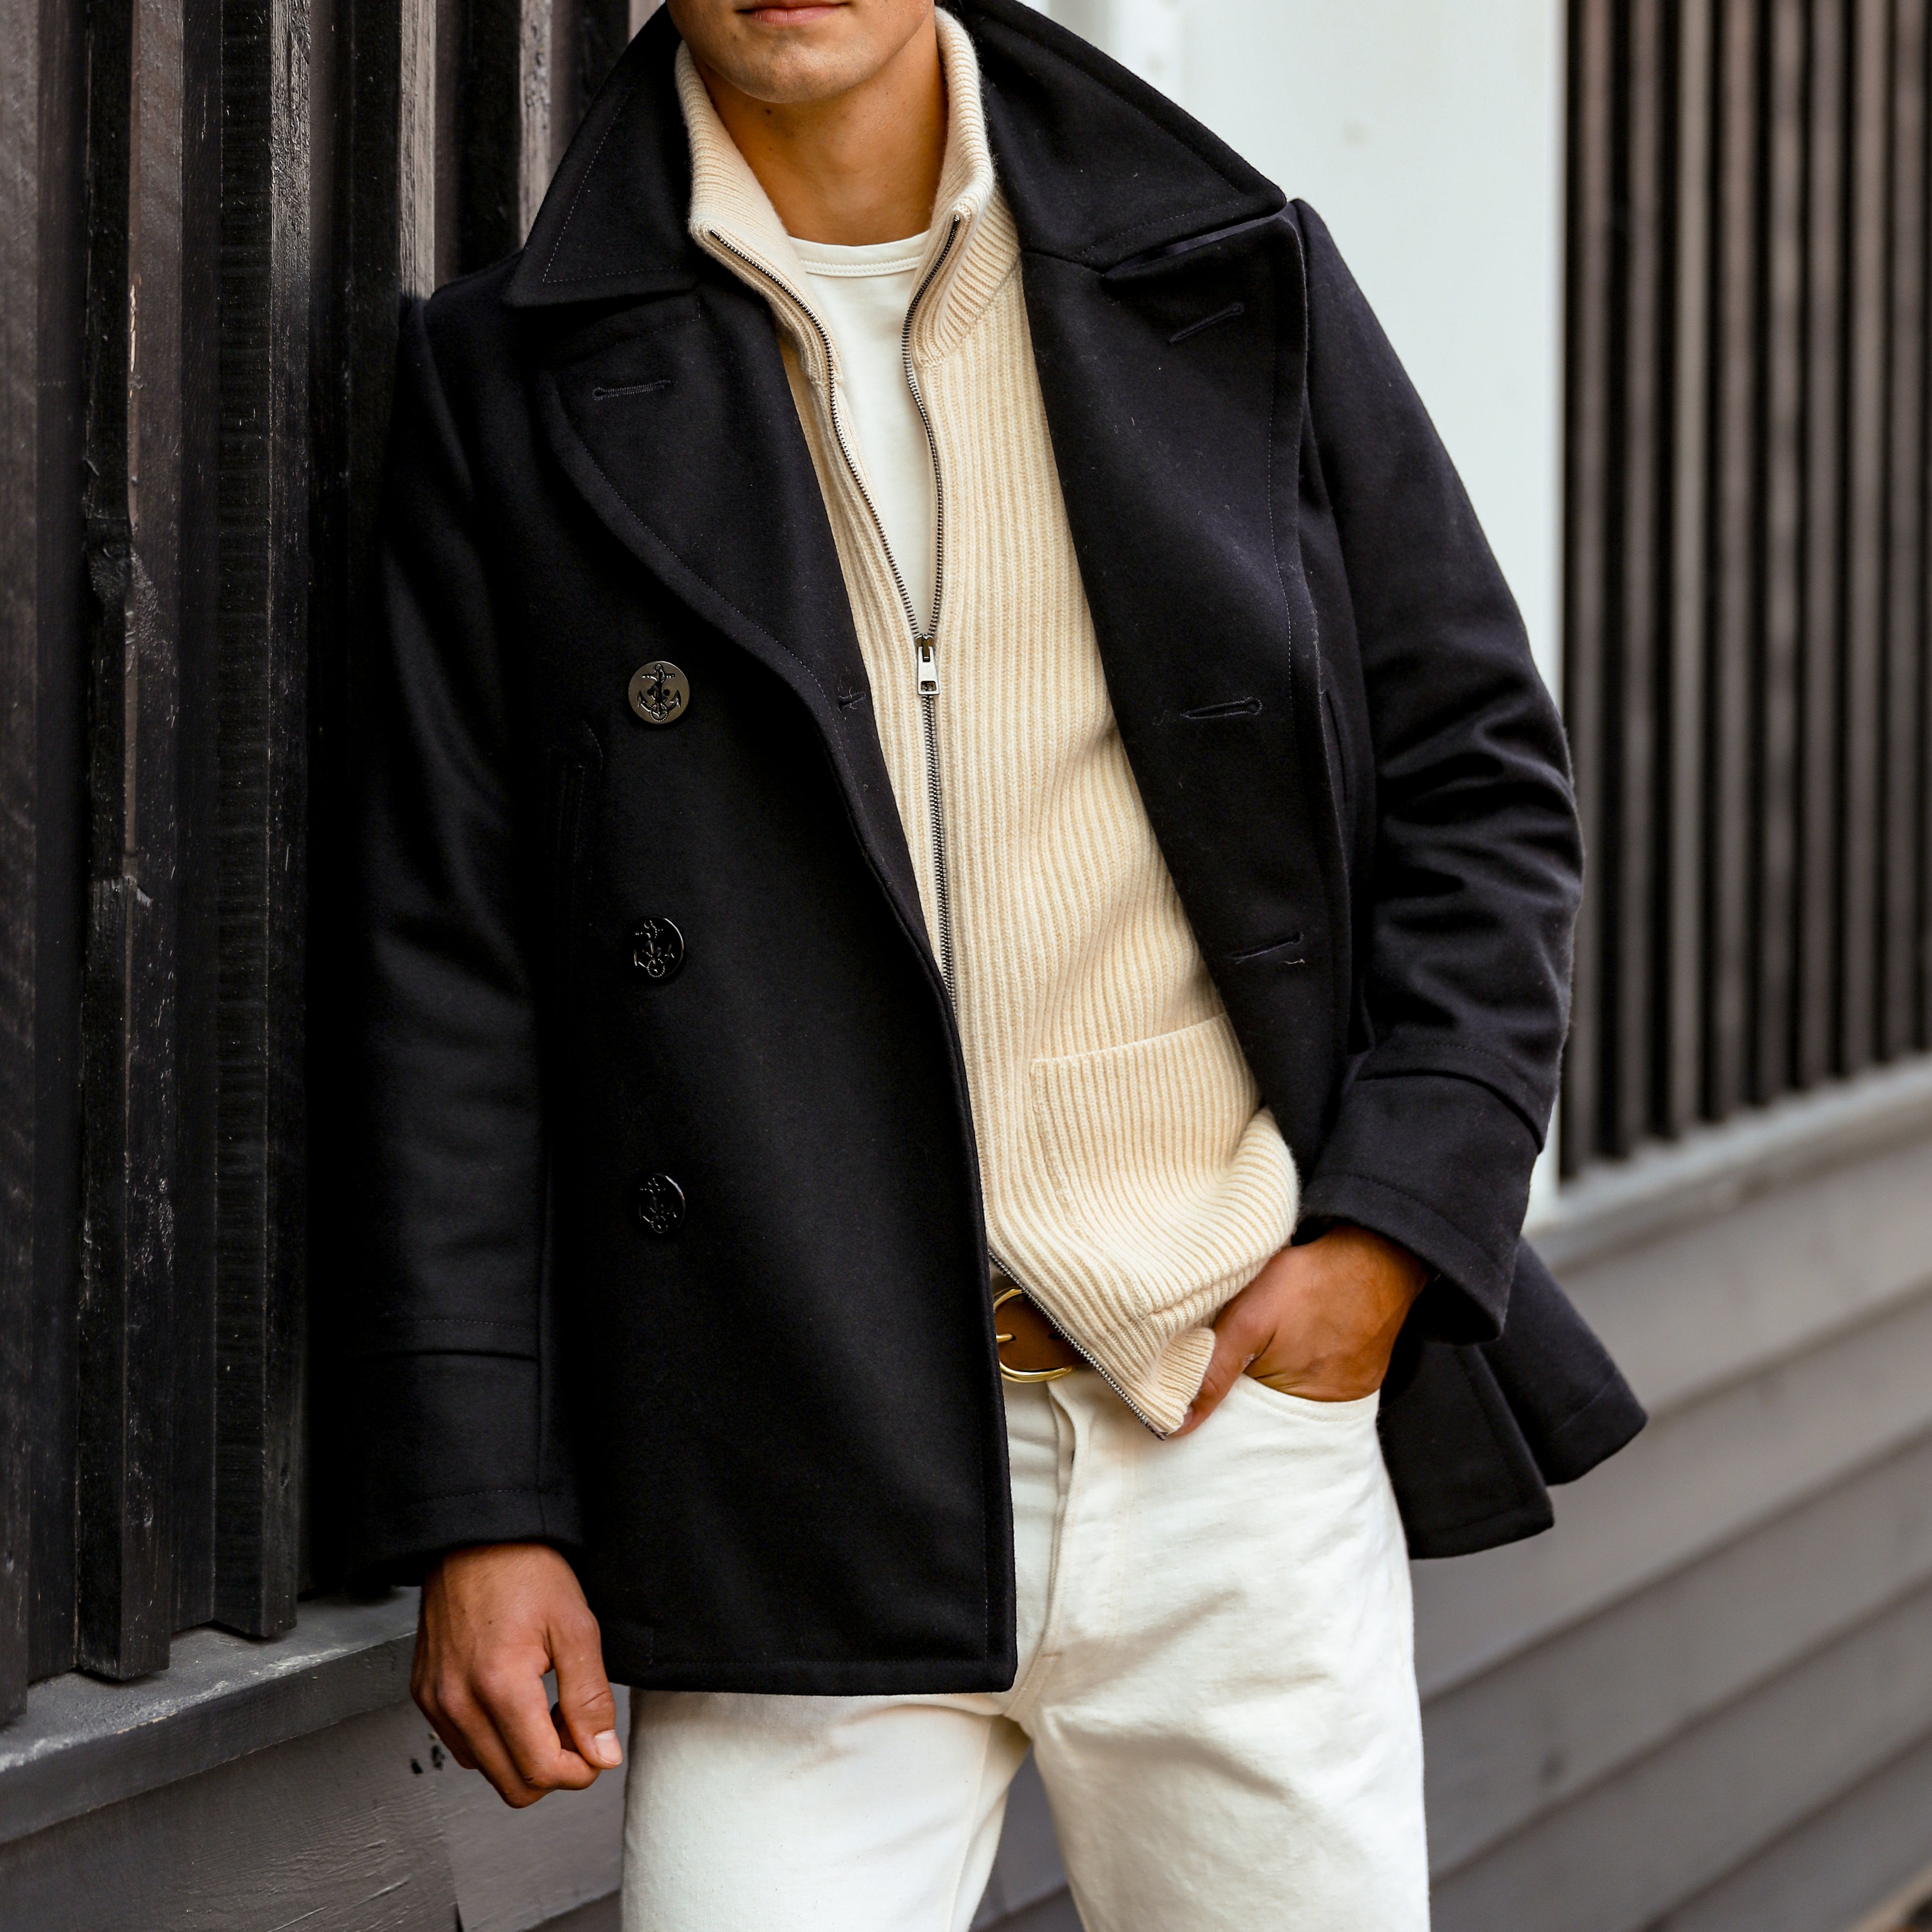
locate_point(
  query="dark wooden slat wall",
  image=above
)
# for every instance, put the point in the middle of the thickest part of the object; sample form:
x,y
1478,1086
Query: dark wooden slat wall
x,y
1747,646
209,217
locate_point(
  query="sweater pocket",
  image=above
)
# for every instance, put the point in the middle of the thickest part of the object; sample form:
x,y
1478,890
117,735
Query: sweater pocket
x,y
1174,1184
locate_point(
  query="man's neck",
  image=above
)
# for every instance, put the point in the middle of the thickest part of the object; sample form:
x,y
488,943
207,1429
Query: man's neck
x,y
863,167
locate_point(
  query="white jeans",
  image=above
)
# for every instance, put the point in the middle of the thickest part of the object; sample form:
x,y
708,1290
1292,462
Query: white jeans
x,y
1216,1675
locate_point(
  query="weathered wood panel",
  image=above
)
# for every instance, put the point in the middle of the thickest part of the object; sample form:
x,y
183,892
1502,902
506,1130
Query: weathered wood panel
x,y
59,912
136,101
336,1829
20,164
265,477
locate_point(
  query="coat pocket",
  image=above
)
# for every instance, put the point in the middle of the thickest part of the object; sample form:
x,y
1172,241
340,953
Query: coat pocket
x,y
1168,1173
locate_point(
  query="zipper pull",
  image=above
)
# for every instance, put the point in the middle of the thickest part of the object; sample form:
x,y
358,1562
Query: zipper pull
x,y
928,666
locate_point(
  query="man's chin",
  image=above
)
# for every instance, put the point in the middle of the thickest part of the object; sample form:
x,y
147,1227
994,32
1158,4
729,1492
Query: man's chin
x,y
797,74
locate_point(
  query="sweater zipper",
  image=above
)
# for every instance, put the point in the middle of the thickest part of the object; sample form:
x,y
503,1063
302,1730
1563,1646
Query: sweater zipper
x,y
924,658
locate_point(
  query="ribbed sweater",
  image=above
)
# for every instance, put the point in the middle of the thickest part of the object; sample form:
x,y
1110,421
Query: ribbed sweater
x,y
1133,1179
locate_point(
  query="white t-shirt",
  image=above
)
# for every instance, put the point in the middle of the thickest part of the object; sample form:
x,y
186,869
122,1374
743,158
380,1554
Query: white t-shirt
x,y
861,295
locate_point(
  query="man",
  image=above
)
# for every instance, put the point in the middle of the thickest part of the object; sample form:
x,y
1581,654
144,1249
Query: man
x,y
969,887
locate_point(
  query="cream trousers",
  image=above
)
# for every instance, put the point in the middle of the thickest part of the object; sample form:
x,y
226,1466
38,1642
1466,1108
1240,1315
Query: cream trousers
x,y
1216,1677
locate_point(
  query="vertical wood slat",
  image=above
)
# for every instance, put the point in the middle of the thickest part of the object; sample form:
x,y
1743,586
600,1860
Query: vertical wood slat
x,y
1681,1022
414,177
1859,851
19,812
1826,242
1788,776
133,436
1631,719
1903,642
60,912
1734,560
1774,810
191,1319
1586,443
263,726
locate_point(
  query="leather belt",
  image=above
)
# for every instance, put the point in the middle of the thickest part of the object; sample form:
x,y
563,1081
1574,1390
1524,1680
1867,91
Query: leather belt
x,y
1031,1349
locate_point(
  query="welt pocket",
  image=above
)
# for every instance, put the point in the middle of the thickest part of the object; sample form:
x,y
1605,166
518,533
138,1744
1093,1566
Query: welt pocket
x,y
1288,950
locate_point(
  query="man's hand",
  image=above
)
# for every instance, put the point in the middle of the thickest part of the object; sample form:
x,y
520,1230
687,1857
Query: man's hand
x,y
1319,1322
494,1619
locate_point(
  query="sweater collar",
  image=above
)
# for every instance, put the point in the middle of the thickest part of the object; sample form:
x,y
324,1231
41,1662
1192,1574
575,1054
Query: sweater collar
x,y
1095,167
970,243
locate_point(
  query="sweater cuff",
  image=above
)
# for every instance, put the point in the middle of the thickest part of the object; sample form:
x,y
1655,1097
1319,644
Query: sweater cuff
x,y
458,1459
1440,1165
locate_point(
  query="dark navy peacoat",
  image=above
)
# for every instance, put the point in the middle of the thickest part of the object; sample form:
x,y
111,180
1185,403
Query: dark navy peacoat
x,y
685,1270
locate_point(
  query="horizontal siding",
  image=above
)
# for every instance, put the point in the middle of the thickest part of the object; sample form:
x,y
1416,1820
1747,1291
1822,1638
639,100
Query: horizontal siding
x,y
1518,1742
1752,1450
1820,1876
1617,1857
1750,1288
1633,1721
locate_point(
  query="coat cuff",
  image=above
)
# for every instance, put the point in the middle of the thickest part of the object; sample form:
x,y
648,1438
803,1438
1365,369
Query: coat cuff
x,y
1441,1165
458,1459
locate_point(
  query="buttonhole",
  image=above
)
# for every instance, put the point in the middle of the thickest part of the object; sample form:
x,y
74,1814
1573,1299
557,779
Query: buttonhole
x,y
1227,314
600,394
1234,707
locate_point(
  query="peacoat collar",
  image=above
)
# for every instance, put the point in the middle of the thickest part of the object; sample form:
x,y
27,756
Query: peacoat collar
x,y
1098,169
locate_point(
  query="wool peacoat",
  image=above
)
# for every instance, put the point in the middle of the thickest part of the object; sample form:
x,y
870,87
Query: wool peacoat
x,y
666,1212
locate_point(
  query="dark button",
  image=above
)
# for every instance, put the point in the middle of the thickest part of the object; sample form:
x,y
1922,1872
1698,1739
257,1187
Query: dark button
x,y
660,692
660,1203
657,950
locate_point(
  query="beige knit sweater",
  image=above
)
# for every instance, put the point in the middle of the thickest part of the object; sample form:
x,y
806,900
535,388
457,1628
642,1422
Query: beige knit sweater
x,y
1133,1179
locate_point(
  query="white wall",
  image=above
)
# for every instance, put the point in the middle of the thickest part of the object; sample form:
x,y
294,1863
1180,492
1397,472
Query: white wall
x,y
1429,134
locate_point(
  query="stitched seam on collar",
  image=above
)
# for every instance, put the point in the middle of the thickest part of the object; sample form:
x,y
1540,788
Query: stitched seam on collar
x,y
569,213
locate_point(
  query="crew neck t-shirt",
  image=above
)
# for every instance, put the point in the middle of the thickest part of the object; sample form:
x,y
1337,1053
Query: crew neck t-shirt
x,y
862,294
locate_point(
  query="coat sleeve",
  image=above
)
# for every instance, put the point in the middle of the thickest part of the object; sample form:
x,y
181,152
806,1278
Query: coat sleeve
x,y
1463,953
442,1333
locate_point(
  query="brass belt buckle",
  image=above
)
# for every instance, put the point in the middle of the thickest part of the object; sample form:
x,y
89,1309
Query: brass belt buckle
x,y
1022,1375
